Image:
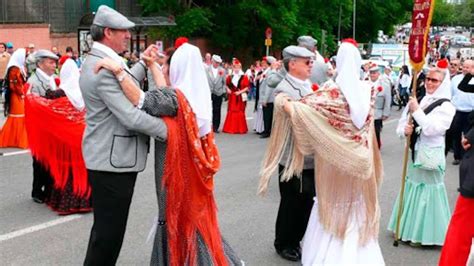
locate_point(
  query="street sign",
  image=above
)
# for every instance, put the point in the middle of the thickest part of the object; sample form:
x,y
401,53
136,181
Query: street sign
x,y
268,33
268,42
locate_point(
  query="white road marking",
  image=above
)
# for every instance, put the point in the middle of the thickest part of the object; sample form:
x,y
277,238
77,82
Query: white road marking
x,y
14,153
39,227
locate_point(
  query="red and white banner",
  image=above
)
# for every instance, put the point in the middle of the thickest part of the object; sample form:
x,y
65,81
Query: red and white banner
x,y
420,29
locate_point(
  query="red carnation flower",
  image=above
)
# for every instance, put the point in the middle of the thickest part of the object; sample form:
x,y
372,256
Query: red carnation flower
x,y
314,87
221,72
379,89
57,81
443,63
264,76
334,93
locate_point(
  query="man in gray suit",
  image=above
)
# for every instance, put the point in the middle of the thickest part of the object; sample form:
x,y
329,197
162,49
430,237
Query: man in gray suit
x,y
320,69
116,141
216,77
296,194
273,77
42,83
383,99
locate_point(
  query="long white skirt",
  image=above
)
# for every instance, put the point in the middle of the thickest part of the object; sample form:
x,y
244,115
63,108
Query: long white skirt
x,y
319,247
258,126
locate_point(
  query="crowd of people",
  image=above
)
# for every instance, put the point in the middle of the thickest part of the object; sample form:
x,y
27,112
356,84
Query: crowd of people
x,y
323,118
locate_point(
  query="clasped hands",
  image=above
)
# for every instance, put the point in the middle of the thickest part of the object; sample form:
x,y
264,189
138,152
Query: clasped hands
x,y
148,56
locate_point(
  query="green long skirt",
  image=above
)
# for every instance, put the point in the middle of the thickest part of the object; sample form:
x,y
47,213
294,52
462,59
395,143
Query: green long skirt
x,y
426,211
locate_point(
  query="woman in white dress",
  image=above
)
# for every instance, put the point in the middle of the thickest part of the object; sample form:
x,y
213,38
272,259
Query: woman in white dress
x,y
335,123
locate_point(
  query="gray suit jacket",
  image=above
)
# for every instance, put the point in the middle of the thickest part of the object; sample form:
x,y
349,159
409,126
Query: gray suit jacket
x,y
295,92
383,100
116,135
216,84
319,73
38,85
271,82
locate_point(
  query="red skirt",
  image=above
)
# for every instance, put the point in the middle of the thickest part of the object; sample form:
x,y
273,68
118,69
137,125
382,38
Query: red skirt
x,y
235,122
13,133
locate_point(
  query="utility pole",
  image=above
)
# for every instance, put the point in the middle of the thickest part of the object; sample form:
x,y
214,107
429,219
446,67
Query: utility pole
x,y
354,20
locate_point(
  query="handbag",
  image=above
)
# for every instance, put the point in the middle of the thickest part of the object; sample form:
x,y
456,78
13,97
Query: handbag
x,y
430,158
244,96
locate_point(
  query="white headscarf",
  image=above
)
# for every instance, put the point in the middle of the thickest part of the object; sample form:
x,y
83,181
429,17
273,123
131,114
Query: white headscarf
x,y
69,77
443,91
357,93
17,59
187,74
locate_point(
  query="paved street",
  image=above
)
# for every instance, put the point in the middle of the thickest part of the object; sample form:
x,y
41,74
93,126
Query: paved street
x,y
31,234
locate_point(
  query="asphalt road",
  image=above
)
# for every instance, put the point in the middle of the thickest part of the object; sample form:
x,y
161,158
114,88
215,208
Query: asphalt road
x,y
31,234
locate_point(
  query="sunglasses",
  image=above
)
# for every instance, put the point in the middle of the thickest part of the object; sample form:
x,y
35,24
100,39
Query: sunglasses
x,y
432,80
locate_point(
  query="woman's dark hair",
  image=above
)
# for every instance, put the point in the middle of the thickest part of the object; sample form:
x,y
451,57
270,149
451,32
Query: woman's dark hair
x,y
4,45
404,70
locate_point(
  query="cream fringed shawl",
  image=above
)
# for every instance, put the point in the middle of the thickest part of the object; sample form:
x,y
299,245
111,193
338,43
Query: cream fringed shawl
x,y
348,164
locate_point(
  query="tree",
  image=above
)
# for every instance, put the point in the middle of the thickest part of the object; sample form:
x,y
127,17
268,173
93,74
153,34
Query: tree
x,y
236,27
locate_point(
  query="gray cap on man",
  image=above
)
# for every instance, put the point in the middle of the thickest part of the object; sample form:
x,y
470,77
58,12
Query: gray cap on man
x,y
45,54
109,18
294,51
307,41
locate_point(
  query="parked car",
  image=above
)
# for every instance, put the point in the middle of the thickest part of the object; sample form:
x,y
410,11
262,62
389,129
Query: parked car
x,y
459,29
460,40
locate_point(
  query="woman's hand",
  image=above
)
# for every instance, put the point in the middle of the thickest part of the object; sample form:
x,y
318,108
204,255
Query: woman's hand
x,y
238,92
408,129
465,144
288,107
229,91
413,104
108,64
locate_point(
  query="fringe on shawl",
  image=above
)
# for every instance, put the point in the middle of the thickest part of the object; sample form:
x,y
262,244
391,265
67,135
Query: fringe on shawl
x,y
347,173
55,129
190,165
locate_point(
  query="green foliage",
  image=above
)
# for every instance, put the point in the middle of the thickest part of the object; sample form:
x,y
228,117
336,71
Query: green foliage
x,y
237,27
454,14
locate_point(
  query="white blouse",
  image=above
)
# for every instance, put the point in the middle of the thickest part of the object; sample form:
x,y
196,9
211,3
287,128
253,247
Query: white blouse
x,y
433,126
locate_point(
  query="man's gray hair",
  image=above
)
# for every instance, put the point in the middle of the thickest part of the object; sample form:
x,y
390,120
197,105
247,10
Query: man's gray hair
x,y
97,33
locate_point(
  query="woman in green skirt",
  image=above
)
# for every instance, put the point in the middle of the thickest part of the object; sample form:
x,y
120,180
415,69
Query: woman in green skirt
x,y
426,213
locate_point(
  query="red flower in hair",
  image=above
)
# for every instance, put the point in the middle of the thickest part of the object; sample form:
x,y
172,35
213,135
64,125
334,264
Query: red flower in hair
x,y
326,59
334,93
352,41
57,81
443,63
379,89
180,41
315,87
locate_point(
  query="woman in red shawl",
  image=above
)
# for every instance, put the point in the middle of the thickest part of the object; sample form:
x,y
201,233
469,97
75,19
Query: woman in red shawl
x,y
238,85
13,133
187,231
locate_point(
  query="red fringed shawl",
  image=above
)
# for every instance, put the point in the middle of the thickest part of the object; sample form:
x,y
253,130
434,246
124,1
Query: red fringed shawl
x,y
190,165
55,130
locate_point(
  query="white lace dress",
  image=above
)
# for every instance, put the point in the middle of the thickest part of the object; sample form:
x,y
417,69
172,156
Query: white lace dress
x,y
319,247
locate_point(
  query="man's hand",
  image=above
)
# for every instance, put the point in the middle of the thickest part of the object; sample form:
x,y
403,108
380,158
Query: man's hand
x,y
465,144
150,55
384,117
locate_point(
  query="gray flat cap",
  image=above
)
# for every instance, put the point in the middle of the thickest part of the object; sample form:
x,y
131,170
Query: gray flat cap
x,y
45,54
307,41
271,59
216,58
294,51
109,18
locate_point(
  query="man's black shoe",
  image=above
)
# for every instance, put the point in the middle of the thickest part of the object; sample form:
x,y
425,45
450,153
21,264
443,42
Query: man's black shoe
x,y
289,254
38,199
456,162
264,136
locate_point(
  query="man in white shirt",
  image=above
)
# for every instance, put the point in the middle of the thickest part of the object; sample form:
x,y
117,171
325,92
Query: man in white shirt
x,y
464,103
